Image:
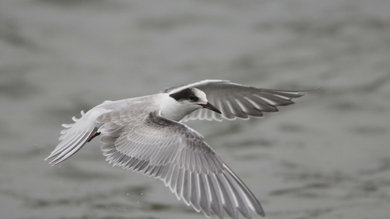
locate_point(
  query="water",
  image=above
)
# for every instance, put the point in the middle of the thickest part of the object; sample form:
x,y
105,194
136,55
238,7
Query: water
x,y
328,156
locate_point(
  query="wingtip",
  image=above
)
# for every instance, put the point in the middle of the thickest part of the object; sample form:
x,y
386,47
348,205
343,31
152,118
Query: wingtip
x,y
48,157
50,163
315,89
54,161
261,213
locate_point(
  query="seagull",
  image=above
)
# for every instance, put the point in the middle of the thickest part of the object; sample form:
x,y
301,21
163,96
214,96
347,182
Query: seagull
x,y
147,135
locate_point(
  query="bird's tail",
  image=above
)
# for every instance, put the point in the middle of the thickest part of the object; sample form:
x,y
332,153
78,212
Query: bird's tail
x,y
74,137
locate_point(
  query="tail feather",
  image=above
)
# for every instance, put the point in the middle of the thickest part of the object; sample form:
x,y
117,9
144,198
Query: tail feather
x,y
74,137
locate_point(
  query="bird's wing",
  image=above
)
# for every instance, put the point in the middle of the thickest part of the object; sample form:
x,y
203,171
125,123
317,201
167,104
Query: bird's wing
x,y
236,100
177,155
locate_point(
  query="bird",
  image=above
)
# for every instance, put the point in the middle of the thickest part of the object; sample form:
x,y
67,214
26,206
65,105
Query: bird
x,y
148,135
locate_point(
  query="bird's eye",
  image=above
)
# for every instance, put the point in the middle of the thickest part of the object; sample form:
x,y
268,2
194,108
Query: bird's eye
x,y
193,98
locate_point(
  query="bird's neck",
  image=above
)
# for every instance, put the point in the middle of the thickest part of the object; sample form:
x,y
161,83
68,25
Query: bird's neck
x,y
173,110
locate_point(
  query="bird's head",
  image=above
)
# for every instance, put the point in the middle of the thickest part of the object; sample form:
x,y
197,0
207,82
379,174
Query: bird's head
x,y
193,98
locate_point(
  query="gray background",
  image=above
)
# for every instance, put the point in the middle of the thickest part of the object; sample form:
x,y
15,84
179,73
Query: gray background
x,y
328,156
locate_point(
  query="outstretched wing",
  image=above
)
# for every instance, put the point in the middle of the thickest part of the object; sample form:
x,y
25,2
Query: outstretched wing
x,y
178,156
237,101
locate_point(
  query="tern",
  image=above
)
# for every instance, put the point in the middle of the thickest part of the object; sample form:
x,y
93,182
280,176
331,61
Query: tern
x,y
147,134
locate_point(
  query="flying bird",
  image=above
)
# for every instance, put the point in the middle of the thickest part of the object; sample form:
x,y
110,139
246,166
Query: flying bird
x,y
147,134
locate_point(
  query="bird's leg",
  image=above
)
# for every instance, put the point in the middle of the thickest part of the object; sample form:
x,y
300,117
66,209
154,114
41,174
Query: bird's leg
x,y
93,136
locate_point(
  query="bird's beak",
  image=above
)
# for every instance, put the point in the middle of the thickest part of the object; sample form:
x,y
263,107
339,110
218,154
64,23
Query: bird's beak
x,y
210,107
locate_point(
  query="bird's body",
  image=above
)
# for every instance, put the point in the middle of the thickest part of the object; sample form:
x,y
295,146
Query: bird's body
x,y
146,134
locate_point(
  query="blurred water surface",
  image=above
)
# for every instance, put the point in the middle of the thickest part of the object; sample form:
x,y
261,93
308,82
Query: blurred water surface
x,y
328,156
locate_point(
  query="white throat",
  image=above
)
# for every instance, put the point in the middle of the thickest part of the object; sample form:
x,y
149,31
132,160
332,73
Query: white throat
x,y
173,110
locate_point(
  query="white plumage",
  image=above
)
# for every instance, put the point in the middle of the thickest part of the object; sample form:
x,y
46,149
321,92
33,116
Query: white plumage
x,y
146,134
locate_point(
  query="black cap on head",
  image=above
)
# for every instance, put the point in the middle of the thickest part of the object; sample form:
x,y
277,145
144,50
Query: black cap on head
x,y
186,94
